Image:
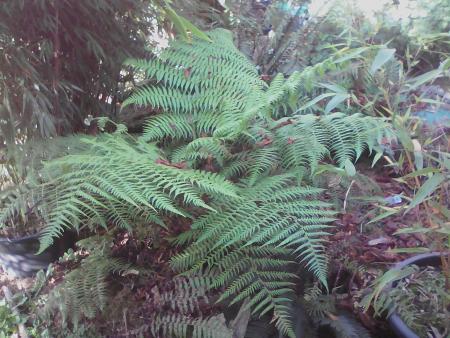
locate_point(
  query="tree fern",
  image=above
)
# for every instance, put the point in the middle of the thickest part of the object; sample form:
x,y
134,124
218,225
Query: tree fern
x,y
217,115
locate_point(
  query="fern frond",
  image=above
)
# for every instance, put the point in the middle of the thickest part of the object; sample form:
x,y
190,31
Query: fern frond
x,y
115,180
254,240
183,316
83,293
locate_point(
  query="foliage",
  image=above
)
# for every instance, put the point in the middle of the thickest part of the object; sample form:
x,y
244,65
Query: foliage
x,y
184,316
267,32
419,297
230,151
65,63
234,102
321,308
250,242
8,321
218,115
116,180
84,290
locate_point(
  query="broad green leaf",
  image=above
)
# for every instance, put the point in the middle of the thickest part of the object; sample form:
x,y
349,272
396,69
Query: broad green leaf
x,y
335,101
383,56
426,189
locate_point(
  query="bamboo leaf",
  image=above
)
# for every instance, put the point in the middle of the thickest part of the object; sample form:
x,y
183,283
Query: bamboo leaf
x,y
349,168
351,55
383,56
421,172
194,30
384,215
427,189
335,101
315,100
177,22
409,250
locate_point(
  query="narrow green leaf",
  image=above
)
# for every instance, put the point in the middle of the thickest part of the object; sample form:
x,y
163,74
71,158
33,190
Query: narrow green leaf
x,y
335,101
424,78
376,158
410,230
315,100
384,215
351,55
422,172
380,283
426,189
177,22
383,56
349,168
334,88
194,30
409,250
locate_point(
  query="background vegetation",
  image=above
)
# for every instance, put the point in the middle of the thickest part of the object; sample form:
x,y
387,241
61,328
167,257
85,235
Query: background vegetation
x,y
208,183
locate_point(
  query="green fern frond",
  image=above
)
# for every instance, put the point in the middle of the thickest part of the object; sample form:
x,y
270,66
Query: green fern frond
x,y
84,291
113,181
251,242
183,315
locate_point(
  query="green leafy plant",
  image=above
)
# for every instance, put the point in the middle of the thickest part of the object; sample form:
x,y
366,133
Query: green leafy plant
x,y
217,115
84,290
184,315
217,119
8,321
419,296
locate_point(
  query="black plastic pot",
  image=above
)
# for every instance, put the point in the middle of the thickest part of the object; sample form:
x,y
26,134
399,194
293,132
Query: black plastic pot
x,y
428,259
18,256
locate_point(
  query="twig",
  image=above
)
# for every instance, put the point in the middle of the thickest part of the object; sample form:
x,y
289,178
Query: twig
x,y
125,322
346,194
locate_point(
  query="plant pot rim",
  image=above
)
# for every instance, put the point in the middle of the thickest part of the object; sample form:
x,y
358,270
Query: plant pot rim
x,y
7,239
427,259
